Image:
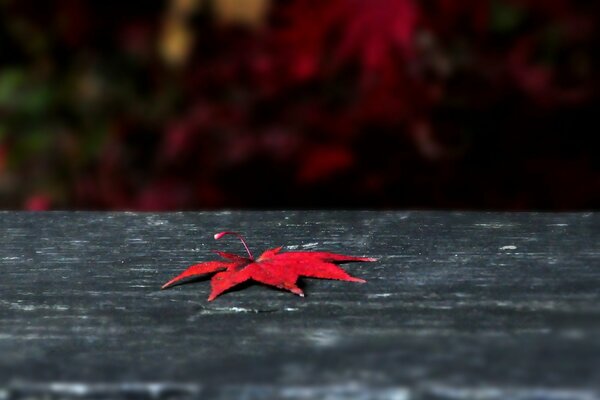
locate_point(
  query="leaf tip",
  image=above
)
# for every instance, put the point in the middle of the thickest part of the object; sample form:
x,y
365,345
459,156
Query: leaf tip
x,y
219,235
353,279
167,285
212,296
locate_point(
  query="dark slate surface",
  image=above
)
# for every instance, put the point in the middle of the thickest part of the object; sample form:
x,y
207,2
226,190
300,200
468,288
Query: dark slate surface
x,y
461,306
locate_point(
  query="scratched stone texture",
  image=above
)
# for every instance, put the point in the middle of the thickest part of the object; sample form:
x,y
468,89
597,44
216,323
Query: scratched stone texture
x,y
460,306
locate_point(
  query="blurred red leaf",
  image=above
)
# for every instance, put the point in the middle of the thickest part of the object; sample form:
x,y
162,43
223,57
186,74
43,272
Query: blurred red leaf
x,y
322,162
370,33
375,31
38,202
539,80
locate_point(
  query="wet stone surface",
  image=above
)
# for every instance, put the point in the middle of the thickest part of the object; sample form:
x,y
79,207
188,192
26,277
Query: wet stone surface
x,y
460,306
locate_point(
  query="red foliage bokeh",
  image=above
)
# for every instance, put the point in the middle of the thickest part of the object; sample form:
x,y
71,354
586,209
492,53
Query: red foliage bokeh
x,y
341,103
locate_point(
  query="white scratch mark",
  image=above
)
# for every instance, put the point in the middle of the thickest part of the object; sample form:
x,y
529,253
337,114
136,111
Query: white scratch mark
x,y
378,295
239,309
346,390
495,225
492,393
137,240
323,338
19,306
157,222
223,213
104,390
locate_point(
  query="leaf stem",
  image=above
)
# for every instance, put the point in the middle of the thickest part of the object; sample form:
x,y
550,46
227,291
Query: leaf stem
x,y
221,234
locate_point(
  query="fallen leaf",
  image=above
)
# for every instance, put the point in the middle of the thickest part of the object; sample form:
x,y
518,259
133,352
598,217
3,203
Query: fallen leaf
x,y
272,268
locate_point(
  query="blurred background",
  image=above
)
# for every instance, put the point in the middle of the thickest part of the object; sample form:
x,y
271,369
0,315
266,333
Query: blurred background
x,y
203,104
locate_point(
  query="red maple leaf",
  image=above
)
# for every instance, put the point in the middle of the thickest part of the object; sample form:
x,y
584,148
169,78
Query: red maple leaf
x,y
272,268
